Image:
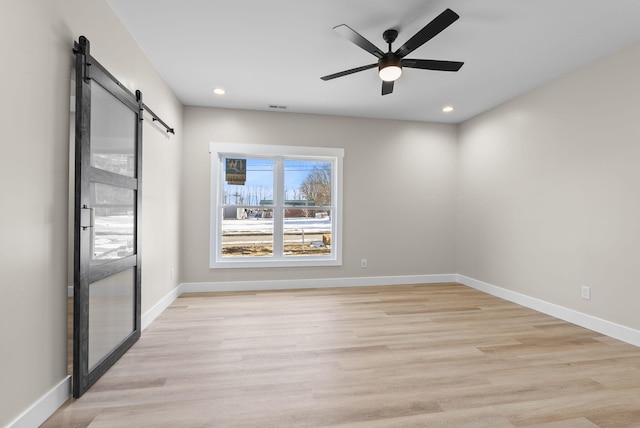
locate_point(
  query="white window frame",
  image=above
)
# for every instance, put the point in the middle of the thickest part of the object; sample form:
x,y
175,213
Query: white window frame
x,y
221,150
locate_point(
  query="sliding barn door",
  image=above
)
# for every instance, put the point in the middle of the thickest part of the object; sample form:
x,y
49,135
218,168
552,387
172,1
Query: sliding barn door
x,y
107,267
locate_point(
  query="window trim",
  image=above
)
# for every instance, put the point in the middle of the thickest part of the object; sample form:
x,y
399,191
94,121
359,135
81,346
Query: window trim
x,y
222,149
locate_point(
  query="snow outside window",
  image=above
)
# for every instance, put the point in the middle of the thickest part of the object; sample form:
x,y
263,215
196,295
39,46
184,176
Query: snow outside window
x,y
275,206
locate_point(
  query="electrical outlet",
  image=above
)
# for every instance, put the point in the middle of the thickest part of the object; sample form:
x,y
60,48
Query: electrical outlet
x,y
363,263
586,292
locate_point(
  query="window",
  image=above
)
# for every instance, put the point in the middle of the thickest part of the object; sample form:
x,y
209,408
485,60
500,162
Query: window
x,y
275,206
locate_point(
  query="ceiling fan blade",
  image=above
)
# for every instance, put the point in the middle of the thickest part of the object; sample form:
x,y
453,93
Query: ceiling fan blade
x,y
432,64
387,87
351,34
348,72
428,32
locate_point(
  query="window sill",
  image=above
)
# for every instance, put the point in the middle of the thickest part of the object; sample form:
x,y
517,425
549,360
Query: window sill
x,y
259,262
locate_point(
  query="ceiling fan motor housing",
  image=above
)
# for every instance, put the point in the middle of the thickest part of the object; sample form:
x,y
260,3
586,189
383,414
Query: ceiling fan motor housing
x,y
389,59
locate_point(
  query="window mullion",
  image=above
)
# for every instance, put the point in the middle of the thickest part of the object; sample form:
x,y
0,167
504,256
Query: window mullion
x,y
278,211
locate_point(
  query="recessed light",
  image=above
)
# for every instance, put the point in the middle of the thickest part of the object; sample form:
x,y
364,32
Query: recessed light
x,y
447,109
219,91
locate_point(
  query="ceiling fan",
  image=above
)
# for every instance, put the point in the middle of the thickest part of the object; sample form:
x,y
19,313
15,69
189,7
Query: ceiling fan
x,y
390,64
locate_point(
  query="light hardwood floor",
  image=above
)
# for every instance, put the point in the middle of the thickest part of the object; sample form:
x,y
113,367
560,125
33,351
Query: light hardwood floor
x,y
438,355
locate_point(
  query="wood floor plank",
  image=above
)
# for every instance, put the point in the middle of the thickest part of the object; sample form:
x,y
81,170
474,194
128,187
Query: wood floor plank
x,y
437,355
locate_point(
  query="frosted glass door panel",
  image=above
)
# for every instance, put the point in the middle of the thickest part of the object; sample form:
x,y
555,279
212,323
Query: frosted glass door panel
x,y
111,313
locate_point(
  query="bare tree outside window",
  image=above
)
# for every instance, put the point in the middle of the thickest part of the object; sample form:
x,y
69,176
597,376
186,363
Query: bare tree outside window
x,y
317,185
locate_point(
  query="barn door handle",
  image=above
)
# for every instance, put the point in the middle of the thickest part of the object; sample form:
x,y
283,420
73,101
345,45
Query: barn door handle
x,y
87,217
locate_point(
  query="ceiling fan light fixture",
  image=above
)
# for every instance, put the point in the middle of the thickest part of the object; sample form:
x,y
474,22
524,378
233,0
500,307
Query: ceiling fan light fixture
x,y
390,73
389,67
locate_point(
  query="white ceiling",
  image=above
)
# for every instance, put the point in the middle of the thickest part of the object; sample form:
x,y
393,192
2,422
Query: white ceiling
x,y
274,52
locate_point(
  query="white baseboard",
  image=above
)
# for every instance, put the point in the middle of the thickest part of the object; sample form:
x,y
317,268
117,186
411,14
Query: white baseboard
x,y
599,325
292,284
43,408
158,308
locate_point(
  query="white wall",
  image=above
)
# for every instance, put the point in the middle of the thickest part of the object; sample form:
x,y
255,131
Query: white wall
x,y
36,38
549,191
399,191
